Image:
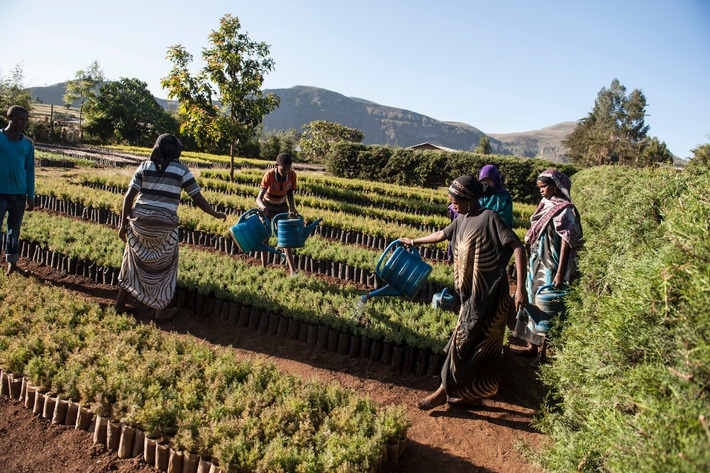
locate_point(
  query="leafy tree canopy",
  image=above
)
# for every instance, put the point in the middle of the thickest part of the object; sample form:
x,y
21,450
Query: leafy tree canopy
x,y
615,132
319,135
12,92
223,102
701,158
126,111
484,146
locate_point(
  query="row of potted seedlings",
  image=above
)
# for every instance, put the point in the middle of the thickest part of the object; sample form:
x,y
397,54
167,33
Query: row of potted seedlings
x,y
184,407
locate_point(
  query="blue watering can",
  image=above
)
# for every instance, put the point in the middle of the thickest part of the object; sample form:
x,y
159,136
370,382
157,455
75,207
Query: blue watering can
x,y
443,300
251,231
404,272
551,302
292,232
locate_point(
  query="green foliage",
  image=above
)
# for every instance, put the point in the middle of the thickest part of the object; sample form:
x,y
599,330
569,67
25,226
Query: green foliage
x,y
245,414
614,132
224,102
84,86
12,92
701,159
126,111
406,167
484,146
319,136
630,378
273,143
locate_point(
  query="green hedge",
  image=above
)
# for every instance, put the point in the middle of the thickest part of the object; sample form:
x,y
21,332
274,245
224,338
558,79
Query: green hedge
x,y
409,167
630,381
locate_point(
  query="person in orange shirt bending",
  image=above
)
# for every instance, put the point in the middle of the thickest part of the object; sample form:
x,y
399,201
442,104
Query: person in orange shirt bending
x,y
276,197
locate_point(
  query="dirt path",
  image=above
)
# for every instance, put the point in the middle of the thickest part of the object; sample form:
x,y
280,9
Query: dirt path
x,y
446,439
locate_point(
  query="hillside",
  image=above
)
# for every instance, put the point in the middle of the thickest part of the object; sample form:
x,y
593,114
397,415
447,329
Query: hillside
x,y
381,124
543,144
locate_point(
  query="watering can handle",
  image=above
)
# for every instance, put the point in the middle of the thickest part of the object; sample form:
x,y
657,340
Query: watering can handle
x,y
259,215
411,249
246,214
549,286
384,253
278,217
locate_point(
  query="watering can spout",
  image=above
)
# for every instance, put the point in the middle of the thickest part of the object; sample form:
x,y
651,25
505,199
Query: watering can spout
x,y
264,247
312,227
384,291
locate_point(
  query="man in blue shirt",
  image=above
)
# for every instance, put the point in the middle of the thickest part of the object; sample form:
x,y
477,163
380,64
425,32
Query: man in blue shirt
x,y
17,181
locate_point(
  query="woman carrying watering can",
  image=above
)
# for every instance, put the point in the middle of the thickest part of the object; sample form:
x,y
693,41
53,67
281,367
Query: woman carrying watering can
x,y
554,237
150,228
276,197
482,245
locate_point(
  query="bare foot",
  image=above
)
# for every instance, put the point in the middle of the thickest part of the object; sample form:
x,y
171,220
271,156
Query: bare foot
x,y
12,268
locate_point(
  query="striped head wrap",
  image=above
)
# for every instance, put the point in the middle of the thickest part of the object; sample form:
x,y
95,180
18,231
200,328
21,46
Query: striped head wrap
x,y
559,179
465,188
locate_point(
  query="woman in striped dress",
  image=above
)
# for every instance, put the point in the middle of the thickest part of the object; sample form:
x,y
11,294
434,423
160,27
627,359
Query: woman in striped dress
x,y
149,226
482,245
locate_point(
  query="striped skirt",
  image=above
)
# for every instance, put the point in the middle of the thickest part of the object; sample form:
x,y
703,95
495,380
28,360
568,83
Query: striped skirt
x,y
150,260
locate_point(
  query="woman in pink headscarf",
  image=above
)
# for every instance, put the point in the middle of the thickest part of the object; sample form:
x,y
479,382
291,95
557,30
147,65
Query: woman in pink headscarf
x,y
554,237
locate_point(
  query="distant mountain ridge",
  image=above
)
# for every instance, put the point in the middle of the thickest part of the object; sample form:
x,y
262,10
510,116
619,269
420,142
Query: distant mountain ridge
x,y
381,124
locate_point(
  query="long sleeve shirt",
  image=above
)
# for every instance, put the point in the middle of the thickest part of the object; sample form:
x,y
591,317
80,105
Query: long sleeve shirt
x,y
17,166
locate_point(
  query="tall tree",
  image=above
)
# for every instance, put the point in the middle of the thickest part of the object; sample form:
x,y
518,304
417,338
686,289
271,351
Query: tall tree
x,y
12,92
82,88
126,111
223,102
319,135
484,146
701,158
613,132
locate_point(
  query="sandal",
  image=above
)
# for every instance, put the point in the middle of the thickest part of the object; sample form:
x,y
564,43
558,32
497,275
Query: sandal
x,y
530,350
426,404
458,402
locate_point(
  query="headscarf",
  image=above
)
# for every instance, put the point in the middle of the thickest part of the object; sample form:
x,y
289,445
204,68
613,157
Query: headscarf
x,y
561,180
465,188
491,172
547,210
167,148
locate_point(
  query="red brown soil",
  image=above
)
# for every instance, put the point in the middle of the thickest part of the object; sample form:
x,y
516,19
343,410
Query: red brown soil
x,y
446,439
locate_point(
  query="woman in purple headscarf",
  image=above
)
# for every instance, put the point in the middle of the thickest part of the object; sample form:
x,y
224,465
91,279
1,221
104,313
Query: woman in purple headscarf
x,y
554,237
482,246
495,197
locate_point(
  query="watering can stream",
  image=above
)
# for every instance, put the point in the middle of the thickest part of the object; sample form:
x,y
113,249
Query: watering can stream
x,y
404,272
250,232
292,232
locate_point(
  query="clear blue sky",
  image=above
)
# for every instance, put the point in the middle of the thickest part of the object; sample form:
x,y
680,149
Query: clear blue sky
x,y
500,66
